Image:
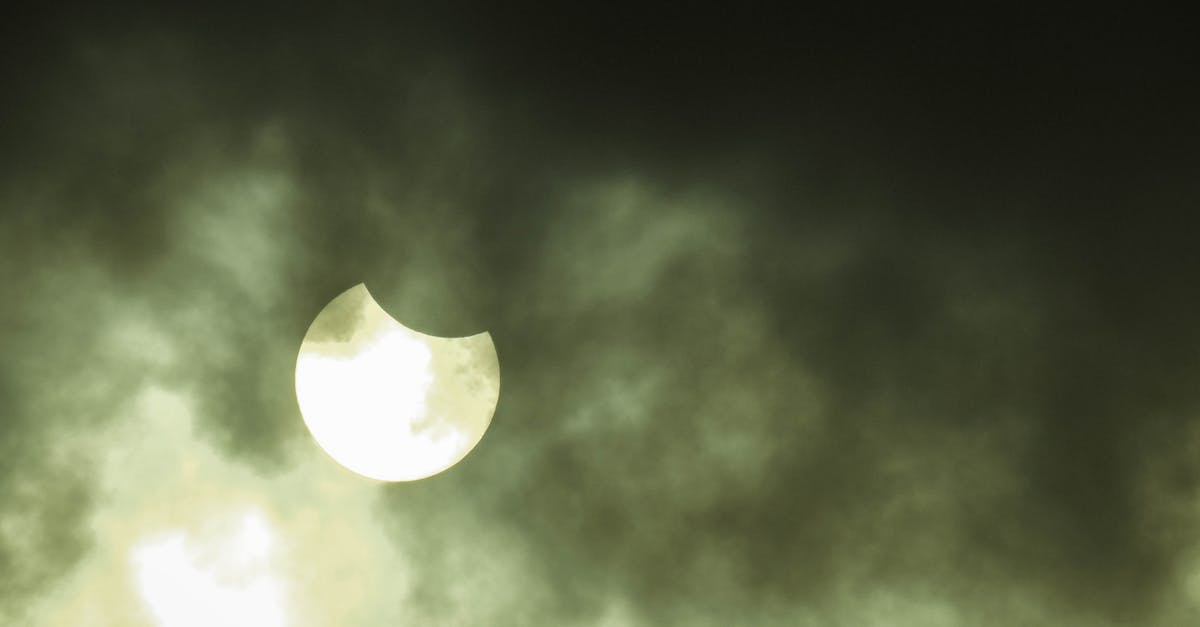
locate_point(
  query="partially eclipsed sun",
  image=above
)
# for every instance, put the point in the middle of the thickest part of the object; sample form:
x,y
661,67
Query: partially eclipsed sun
x,y
388,402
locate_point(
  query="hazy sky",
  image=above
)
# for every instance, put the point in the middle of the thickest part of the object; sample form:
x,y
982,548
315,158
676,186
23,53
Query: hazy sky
x,y
802,319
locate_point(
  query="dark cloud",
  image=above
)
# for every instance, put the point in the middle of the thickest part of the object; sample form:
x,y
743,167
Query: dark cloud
x,y
815,320
48,393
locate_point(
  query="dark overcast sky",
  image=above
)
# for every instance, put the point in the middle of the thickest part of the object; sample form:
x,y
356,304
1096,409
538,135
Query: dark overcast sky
x,y
828,318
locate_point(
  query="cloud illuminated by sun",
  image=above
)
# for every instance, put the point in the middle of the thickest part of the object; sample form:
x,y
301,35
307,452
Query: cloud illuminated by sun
x,y
226,576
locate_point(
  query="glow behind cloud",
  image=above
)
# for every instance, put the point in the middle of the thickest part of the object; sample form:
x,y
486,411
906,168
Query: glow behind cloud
x,y
225,577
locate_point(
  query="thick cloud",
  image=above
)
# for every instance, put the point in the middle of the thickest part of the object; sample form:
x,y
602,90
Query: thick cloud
x,y
874,326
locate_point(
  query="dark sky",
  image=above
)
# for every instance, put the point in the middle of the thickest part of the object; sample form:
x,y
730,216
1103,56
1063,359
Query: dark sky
x,y
815,318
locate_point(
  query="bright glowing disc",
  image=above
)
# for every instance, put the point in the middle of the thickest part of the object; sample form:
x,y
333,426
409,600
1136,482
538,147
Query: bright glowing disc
x,y
388,402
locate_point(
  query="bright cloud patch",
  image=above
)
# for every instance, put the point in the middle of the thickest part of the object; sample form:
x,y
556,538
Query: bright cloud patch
x,y
223,576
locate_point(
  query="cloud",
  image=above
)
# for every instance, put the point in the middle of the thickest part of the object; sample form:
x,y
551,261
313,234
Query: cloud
x,y
832,375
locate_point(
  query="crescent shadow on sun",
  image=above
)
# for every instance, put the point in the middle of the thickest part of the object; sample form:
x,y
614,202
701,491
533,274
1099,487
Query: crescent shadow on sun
x,y
389,402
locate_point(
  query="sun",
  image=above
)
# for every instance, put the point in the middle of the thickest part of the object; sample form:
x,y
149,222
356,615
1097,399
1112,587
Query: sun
x,y
388,402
